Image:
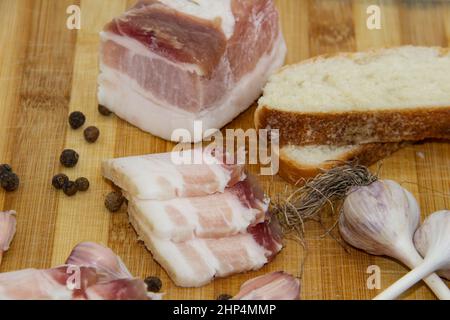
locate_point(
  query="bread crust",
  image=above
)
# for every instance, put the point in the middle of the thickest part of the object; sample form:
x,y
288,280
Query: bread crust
x,y
368,54
360,127
366,154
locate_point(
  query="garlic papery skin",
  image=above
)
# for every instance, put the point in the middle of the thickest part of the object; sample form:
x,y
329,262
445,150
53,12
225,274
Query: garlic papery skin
x,y
272,286
7,230
381,219
433,237
109,266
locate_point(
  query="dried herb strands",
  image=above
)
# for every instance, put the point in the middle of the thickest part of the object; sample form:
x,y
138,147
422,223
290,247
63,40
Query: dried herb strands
x,y
76,119
59,181
82,184
69,158
154,284
114,201
103,110
91,134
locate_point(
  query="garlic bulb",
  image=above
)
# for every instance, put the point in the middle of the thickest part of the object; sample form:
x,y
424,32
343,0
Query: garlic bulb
x,y
434,238
381,219
7,230
438,222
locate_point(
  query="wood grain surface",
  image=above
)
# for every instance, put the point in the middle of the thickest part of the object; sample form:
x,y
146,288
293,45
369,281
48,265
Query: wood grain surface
x,y
48,71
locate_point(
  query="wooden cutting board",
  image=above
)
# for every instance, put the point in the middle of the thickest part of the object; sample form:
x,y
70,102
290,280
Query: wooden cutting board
x,y
48,71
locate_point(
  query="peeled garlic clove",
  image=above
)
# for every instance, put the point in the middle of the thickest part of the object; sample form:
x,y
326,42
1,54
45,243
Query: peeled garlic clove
x,y
432,240
272,286
380,218
108,265
7,230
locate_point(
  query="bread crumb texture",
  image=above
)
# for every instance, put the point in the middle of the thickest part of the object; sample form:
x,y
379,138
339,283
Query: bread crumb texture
x,y
402,78
315,155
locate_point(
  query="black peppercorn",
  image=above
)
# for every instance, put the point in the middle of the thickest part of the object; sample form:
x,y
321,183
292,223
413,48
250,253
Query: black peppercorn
x,y
9,181
69,158
5,168
82,184
59,181
103,110
70,188
224,297
114,201
76,119
91,134
154,284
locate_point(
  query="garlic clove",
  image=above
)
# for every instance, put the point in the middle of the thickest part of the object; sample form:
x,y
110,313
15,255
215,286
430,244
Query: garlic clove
x,y
108,265
432,240
380,218
433,237
272,286
7,230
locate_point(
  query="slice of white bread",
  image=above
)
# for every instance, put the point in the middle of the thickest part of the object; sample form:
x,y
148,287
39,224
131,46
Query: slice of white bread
x,y
385,95
299,163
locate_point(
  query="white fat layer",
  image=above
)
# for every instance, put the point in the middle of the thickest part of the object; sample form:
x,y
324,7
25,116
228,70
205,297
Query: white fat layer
x,y
158,176
258,254
223,175
178,265
169,256
140,49
141,176
35,283
118,94
172,258
208,10
153,213
252,248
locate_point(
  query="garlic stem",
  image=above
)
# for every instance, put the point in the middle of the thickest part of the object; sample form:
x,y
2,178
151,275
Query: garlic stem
x,y
407,281
433,281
